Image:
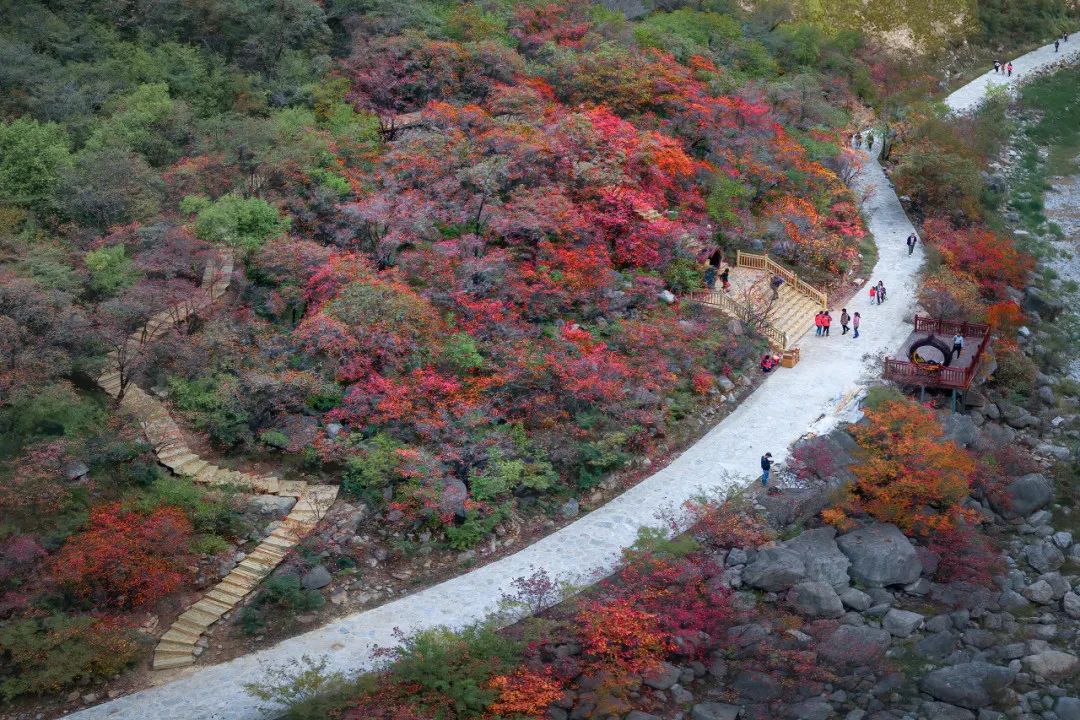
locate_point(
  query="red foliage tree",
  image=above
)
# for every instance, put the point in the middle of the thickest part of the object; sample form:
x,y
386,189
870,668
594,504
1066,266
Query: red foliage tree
x,y
124,559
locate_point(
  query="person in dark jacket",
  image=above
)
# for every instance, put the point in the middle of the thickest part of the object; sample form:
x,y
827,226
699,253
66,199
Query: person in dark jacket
x,y
845,319
911,240
766,466
725,285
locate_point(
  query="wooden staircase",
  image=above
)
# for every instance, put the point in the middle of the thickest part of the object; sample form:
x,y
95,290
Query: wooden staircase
x,y
177,647
783,320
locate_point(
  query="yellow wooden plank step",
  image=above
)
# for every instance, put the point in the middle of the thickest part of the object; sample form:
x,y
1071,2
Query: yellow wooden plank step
x,y
167,663
178,635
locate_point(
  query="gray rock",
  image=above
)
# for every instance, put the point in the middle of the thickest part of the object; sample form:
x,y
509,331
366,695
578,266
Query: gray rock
x,y
638,715
1023,495
979,638
969,685
1044,556
737,556
667,296
1046,394
815,599
1012,600
985,714
715,711
944,711
1071,604
813,709
854,645
315,578
725,383
662,677
270,505
1062,539
937,646
1067,708
680,695
1057,583
901,623
855,599
961,429
1017,417
1052,664
570,508
75,470
774,569
821,556
1039,592
453,496
880,555
758,687
1048,307
333,430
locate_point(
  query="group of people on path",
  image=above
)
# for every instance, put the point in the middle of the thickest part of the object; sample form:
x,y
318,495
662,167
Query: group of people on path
x,y
1057,43
1007,68
823,322
724,277
877,293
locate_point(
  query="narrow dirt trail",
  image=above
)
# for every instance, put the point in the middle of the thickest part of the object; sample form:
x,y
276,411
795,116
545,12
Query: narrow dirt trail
x,y
810,398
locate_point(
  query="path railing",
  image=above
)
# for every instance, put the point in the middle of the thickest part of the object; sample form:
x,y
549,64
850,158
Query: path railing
x,y
764,262
720,299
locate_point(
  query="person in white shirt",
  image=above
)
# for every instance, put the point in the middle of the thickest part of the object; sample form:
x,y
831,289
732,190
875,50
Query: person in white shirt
x,y
958,344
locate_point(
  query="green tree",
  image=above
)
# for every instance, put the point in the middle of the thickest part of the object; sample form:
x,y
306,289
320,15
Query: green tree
x,y
148,121
110,270
241,222
109,186
32,156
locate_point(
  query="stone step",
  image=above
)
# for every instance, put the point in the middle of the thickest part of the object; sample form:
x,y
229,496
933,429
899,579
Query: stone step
x,y
292,488
167,663
211,606
198,617
175,463
180,636
192,467
189,627
224,595
174,647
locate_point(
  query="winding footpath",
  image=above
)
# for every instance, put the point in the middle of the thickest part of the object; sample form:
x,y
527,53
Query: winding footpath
x,y
810,398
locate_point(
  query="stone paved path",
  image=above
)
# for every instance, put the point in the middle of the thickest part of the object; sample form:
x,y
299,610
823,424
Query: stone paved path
x,y
179,646
968,97
811,397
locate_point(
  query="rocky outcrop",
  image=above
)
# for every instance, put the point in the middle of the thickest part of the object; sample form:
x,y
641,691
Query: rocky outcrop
x,y
880,555
970,685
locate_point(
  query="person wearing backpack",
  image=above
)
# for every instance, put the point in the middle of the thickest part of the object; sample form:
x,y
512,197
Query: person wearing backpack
x,y
845,319
826,321
911,240
766,466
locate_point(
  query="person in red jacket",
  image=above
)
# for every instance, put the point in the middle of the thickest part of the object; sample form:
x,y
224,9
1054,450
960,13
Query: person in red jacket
x,y
817,323
826,321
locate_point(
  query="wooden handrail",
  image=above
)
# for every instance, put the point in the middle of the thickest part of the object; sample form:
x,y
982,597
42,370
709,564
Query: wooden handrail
x,y
764,262
720,299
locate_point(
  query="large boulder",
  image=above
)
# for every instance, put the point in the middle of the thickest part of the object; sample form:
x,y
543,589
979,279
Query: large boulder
x,y
854,645
271,505
453,496
1068,708
815,599
880,555
1044,556
821,556
971,685
1024,495
933,710
961,429
756,686
901,623
1052,664
315,578
775,569
715,711
1048,307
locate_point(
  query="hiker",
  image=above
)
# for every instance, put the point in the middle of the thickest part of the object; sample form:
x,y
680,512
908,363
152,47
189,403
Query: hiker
x,y
957,345
826,321
880,292
724,284
869,140
766,465
775,284
1065,37
873,295
997,66
1056,44
845,320
817,323
857,140
855,325
710,277
1009,67
911,240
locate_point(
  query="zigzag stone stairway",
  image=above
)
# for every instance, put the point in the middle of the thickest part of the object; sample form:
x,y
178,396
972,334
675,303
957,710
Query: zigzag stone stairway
x,y
177,647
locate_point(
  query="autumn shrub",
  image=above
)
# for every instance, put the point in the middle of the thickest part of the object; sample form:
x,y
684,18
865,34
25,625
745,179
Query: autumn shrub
x,y
525,692
991,258
1005,318
906,472
726,524
452,672
619,638
47,655
1015,373
813,459
125,559
966,555
945,293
